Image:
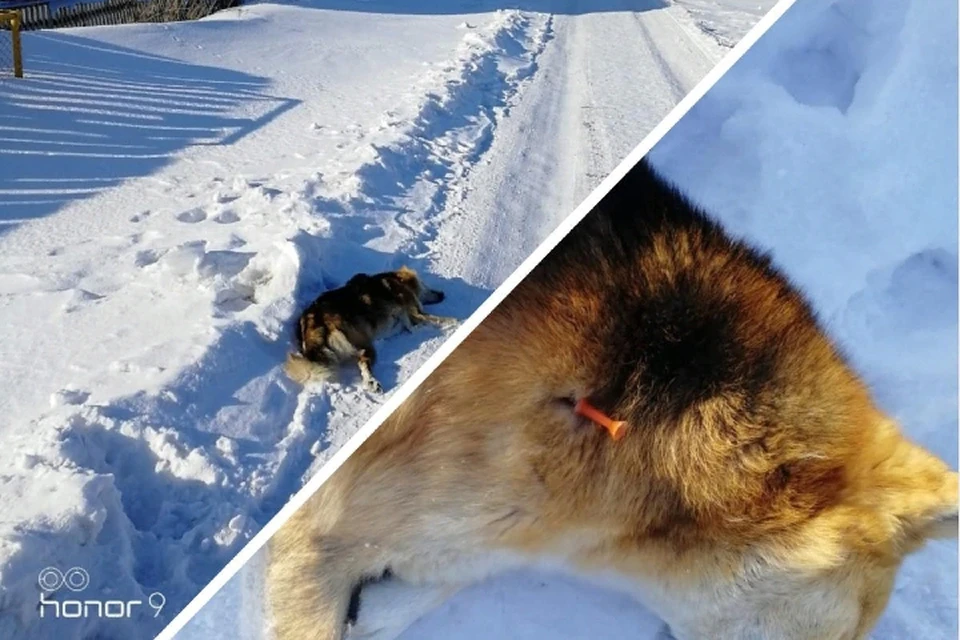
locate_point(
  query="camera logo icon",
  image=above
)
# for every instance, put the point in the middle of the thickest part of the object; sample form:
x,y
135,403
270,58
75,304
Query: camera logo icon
x,y
75,579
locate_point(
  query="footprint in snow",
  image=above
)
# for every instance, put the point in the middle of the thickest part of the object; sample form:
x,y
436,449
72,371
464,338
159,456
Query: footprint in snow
x,y
68,396
192,216
227,217
237,297
80,298
224,263
267,193
223,198
184,259
147,257
235,242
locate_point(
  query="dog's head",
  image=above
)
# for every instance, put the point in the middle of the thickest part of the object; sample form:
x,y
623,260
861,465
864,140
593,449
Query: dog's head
x,y
832,574
425,294
842,563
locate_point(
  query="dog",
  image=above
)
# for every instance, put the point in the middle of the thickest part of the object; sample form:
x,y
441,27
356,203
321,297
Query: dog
x,y
746,488
342,324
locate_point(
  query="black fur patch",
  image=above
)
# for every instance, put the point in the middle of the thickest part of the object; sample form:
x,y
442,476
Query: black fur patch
x,y
353,608
672,336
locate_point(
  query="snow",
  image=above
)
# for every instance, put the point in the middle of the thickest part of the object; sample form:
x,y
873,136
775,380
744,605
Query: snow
x,y
172,194
725,21
833,144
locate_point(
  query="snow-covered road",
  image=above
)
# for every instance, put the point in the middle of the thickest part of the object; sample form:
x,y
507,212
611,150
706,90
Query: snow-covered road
x,y
606,81
171,195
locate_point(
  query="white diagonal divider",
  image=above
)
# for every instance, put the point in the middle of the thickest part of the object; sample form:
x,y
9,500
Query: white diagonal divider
x,y
468,325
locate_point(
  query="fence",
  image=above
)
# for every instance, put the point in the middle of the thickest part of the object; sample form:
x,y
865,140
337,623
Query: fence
x,y
37,15
11,57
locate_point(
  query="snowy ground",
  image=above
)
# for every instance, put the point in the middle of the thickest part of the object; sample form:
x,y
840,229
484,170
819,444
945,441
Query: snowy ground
x,y
170,195
832,143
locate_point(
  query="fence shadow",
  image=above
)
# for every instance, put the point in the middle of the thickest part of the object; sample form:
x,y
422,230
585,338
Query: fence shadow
x,y
90,115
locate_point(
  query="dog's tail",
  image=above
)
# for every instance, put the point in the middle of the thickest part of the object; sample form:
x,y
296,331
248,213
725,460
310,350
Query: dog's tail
x,y
301,370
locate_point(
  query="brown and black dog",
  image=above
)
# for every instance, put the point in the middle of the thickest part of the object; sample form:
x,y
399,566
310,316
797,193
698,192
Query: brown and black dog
x,y
342,324
757,493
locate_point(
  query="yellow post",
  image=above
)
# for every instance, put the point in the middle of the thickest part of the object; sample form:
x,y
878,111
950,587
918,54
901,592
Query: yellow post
x,y
17,53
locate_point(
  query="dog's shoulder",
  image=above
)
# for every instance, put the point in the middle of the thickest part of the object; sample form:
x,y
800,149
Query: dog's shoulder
x,y
359,280
345,300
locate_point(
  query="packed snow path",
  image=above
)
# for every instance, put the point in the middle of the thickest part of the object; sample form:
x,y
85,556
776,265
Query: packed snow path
x,y
172,195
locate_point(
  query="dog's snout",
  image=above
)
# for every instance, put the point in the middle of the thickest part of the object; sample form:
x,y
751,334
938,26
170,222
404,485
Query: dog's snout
x,y
433,296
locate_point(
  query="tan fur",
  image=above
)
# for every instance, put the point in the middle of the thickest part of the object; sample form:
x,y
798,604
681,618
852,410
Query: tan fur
x,y
303,371
776,512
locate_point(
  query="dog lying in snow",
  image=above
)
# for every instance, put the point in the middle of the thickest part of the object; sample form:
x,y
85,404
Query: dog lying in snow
x,y
745,485
342,324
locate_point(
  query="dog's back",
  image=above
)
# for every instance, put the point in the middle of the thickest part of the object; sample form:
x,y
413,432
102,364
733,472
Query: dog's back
x,y
758,493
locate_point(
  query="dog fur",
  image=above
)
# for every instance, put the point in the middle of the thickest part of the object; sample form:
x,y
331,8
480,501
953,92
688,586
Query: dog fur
x,y
342,324
758,494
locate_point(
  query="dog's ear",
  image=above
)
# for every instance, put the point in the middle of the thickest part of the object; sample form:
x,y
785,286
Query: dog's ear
x,y
916,489
944,527
406,274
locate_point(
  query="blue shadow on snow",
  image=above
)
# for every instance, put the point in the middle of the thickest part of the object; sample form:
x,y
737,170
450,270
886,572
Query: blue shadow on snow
x,y
90,115
448,7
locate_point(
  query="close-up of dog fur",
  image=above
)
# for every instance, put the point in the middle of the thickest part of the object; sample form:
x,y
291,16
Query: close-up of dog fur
x,y
752,491
342,324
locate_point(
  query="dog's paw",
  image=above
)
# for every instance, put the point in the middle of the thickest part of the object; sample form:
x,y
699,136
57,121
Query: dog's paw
x,y
449,323
373,385
389,607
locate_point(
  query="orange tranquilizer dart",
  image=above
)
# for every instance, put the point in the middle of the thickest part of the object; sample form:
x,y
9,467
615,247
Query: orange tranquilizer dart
x,y
617,428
